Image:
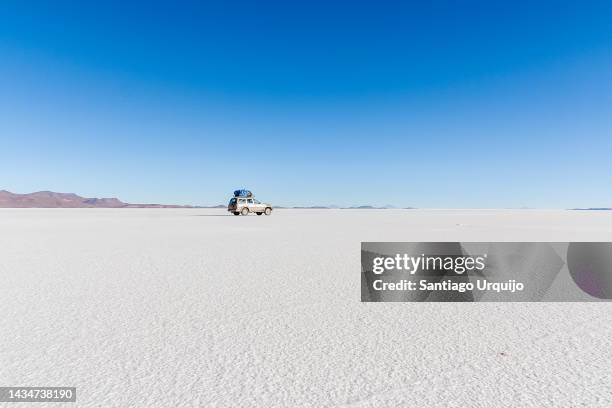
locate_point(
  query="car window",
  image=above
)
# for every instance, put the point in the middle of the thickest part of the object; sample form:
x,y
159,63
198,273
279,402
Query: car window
x,y
256,201
242,201
250,201
233,201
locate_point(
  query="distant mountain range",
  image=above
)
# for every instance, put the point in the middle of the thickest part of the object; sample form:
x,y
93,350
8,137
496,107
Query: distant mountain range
x,y
335,207
50,199
593,209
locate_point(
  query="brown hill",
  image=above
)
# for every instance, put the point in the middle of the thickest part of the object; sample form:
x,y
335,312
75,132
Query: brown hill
x,y
50,199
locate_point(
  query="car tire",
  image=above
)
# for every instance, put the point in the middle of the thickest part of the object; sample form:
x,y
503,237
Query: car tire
x,y
259,213
268,211
245,211
236,213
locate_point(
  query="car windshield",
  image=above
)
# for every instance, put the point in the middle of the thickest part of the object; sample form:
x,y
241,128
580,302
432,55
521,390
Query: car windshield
x,y
232,201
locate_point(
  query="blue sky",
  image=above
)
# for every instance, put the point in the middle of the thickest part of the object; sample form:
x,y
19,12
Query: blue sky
x,y
478,104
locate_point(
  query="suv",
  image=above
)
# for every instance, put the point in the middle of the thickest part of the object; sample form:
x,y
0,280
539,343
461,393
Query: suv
x,y
246,205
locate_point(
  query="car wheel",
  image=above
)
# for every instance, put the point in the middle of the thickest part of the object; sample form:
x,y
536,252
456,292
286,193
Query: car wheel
x,y
245,211
268,211
236,213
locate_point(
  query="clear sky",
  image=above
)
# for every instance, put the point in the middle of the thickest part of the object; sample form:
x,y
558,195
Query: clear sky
x,y
426,104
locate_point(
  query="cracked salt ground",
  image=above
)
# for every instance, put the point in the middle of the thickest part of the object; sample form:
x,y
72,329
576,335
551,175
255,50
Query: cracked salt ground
x,y
158,308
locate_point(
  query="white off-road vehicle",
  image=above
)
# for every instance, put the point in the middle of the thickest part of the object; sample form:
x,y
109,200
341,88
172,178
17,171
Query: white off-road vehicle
x,y
247,205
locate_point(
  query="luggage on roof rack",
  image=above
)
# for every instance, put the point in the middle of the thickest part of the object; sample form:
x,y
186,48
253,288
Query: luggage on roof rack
x,y
242,193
